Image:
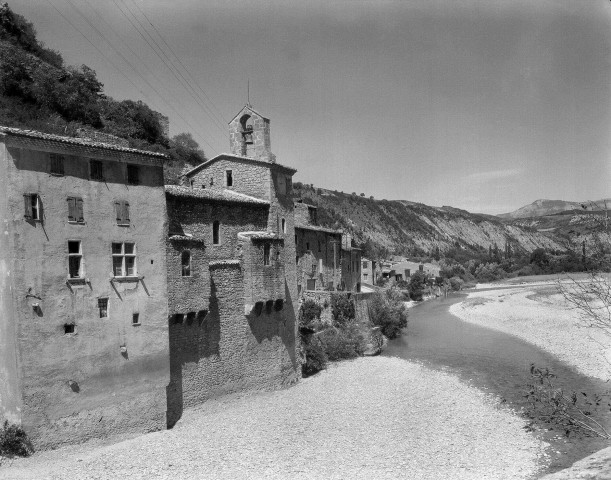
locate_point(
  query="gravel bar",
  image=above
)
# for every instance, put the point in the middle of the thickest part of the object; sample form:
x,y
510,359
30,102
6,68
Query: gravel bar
x,y
377,417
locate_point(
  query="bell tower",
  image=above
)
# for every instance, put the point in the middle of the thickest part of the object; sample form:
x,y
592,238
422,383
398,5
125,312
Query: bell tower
x,y
249,135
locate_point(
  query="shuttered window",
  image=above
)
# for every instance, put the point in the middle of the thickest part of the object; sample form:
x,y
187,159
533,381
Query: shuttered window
x,y
57,164
75,210
133,174
32,206
122,212
96,170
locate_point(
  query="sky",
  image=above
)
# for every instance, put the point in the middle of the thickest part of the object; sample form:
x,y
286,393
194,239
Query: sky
x,y
481,105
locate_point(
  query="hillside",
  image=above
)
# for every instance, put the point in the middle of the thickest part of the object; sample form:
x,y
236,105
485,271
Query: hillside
x,y
543,207
409,228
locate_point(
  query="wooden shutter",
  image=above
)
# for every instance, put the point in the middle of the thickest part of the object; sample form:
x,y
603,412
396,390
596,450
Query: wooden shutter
x,y
72,209
27,201
126,212
79,209
118,212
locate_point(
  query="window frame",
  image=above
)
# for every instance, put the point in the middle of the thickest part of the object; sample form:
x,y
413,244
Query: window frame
x,y
122,214
96,173
103,307
267,250
216,232
76,255
132,169
75,207
186,267
32,204
229,177
124,256
57,165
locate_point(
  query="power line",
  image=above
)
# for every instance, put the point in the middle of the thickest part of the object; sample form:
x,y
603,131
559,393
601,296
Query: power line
x,y
116,67
165,59
179,61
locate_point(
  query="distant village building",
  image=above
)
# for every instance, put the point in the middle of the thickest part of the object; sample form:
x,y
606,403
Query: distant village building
x,y
368,271
83,305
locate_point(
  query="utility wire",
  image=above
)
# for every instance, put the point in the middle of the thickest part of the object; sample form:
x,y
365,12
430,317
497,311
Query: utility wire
x,y
167,62
136,55
179,61
124,59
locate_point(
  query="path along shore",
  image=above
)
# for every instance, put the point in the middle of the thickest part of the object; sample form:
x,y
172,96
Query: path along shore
x,y
375,417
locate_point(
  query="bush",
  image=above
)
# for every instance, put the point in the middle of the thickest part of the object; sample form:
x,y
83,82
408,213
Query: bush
x,y
309,312
14,441
456,283
315,357
342,308
417,282
343,343
386,310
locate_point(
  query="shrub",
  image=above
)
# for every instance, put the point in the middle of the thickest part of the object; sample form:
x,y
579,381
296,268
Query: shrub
x,y
14,441
342,308
343,343
417,282
315,357
386,310
456,283
309,312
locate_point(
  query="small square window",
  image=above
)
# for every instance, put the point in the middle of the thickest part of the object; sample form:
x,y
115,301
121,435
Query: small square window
x,y
129,249
133,174
57,164
69,328
179,318
103,307
135,319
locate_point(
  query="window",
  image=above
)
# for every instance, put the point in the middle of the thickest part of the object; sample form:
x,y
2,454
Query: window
x,y
266,251
229,178
75,210
32,206
133,174
365,276
57,164
122,212
135,319
283,225
124,259
75,259
307,245
216,240
320,266
96,170
186,263
68,328
211,181
364,264
103,307
319,246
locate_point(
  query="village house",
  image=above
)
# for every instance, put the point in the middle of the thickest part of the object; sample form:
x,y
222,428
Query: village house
x,y
231,272
369,273
83,294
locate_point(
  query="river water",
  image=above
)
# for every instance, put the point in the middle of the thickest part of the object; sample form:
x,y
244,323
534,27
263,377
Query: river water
x,y
495,362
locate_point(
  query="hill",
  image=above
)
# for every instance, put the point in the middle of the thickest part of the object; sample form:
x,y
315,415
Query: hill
x,y
407,228
543,207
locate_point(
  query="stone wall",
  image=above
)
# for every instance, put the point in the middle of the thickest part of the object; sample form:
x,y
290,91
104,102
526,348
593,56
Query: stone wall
x,y
323,299
109,375
259,136
315,252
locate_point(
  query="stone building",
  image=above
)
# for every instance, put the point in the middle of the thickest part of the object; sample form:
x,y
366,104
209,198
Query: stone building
x,y
83,304
351,265
231,272
368,271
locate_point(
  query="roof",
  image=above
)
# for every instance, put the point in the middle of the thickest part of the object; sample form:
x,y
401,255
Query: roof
x,y
247,107
259,235
213,194
317,228
230,156
18,132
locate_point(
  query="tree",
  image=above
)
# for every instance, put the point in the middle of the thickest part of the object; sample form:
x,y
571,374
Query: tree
x,y
417,282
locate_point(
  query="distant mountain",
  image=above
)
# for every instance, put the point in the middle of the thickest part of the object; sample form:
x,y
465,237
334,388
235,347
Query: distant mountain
x,y
540,208
411,229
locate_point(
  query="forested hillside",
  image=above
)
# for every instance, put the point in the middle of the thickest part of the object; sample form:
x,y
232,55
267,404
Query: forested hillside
x,y
38,91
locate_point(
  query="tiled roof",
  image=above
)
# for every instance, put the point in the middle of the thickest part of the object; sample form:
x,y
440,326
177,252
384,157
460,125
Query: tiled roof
x,y
316,228
213,194
230,156
260,235
76,141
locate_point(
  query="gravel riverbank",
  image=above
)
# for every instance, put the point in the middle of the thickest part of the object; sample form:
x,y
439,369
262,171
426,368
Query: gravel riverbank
x,y
539,315
382,418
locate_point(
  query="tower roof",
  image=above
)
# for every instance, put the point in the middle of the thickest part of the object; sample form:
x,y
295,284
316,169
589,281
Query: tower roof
x,y
247,108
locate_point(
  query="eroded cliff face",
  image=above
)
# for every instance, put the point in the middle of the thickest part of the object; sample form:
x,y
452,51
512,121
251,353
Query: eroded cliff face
x,y
412,228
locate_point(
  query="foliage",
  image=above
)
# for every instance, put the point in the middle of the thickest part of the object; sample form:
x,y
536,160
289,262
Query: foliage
x,y
402,284
387,310
343,343
315,357
309,313
489,272
456,283
570,412
342,308
14,441
417,282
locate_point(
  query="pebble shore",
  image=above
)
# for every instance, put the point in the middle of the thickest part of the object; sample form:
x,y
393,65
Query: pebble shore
x,y
376,417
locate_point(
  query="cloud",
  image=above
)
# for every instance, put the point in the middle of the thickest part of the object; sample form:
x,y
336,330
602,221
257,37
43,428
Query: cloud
x,y
494,175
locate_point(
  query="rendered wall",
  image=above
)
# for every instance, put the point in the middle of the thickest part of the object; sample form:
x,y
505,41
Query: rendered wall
x,y
10,395
320,248
80,386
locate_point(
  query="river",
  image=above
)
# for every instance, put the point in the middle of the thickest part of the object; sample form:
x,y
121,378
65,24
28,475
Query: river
x,y
495,362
